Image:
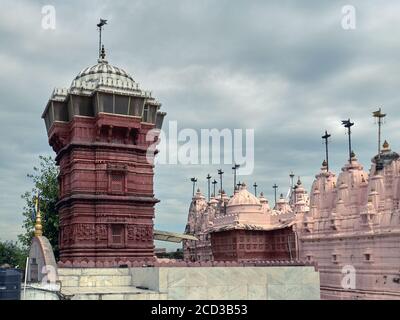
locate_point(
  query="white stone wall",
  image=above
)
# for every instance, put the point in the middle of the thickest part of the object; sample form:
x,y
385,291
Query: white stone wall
x,y
226,283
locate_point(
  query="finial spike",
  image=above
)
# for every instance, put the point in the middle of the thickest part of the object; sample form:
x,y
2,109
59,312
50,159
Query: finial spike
x,y
38,222
385,145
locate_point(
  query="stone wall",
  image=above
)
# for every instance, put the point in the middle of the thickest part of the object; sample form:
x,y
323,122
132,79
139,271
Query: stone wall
x,y
228,283
187,283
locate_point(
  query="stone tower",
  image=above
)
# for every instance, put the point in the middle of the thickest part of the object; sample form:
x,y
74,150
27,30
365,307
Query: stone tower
x,y
99,129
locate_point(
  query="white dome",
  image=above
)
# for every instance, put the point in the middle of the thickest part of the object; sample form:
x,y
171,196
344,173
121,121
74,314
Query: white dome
x,y
103,75
243,197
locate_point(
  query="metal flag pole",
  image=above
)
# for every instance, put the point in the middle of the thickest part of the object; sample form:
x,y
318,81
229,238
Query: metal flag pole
x,y
194,180
214,183
275,187
326,137
379,117
220,172
100,26
208,184
234,168
348,124
291,176
26,275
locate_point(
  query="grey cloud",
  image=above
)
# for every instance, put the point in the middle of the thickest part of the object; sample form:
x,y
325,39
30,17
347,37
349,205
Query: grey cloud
x,y
286,69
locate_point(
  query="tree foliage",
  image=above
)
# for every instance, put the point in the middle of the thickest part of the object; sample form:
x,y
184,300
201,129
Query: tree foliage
x,y
45,181
12,254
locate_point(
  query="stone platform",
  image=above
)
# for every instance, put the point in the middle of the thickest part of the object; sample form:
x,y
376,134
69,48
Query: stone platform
x,y
102,284
190,282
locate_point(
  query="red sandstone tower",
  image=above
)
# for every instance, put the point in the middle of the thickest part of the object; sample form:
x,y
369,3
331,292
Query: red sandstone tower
x,y
98,130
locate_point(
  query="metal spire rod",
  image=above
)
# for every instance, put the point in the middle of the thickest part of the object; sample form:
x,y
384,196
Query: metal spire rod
x,y
379,116
208,184
220,172
194,180
326,137
255,188
291,176
100,26
234,168
275,187
214,183
348,124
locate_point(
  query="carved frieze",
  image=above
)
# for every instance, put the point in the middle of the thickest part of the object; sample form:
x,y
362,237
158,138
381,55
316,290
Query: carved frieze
x,y
140,233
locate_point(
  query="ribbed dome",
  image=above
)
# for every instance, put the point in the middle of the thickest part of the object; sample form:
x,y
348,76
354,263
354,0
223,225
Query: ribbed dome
x,y
244,197
104,68
105,75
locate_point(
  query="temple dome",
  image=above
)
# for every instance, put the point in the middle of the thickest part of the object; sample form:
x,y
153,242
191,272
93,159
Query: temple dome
x,y
103,75
243,197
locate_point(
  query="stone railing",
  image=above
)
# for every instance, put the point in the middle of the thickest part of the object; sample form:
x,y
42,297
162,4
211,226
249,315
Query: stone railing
x,y
183,263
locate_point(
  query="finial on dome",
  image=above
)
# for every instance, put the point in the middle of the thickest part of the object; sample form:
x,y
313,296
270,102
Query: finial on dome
x,y
38,222
100,25
244,185
353,155
103,52
385,145
324,163
298,181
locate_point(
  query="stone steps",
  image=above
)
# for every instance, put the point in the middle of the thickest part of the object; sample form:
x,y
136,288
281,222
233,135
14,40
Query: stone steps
x,y
95,281
93,271
102,284
111,293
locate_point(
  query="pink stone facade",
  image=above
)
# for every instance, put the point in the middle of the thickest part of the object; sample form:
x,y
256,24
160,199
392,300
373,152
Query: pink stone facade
x,y
242,226
349,225
353,229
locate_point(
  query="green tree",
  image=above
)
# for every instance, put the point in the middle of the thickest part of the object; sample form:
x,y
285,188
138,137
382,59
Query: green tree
x,y
12,254
45,181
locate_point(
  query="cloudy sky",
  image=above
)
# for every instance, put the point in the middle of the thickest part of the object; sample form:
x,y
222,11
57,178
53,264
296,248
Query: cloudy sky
x,y
286,70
